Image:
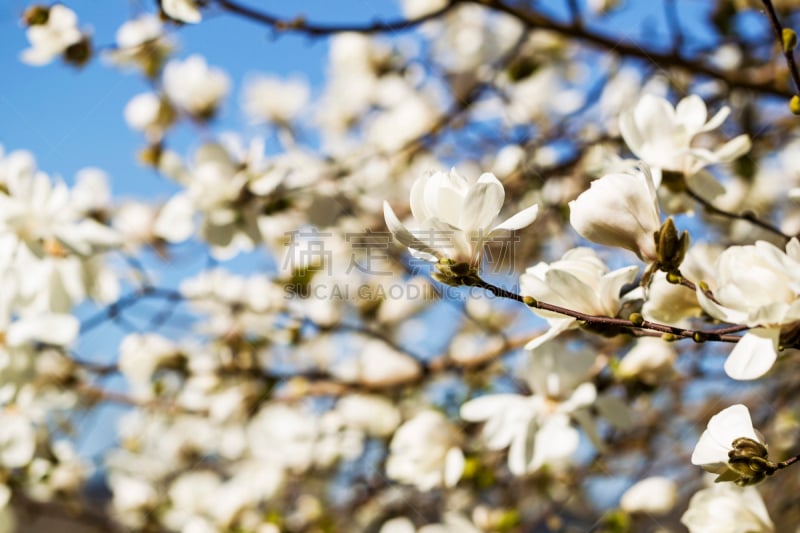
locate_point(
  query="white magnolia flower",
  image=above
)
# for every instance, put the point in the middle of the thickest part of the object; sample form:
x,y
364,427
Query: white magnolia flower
x,y
141,42
373,414
284,435
51,39
150,114
457,211
182,10
41,214
712,450
758,286
579,281
661,135
671,303
17,439
425,452
726,508
215,187
195,87
537,428
654,495
620,210
268,99
48,328
140,355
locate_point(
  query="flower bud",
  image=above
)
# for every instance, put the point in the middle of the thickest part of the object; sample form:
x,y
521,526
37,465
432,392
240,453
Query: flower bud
x,y
36,15
789,39
794,105
671,247
749,460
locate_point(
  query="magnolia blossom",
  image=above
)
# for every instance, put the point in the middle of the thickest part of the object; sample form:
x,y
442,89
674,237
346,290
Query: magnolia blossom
x,y
670,303
51,39
579,281
141,41
149,113
726,508
425,452
536,429
195,87
457,210
758,286
182,10
17,439
268,99
620,210
661,135
654,495
716,442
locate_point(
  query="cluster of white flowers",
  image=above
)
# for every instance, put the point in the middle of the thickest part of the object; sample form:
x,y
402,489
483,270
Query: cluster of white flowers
x,y
312,373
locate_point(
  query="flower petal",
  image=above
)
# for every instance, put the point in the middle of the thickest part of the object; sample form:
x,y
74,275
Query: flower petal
x,y
754,354
520,220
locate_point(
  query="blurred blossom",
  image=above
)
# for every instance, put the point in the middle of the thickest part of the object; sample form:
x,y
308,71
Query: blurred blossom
x,y
416,8
182,10
536,429
726,508
52,38
653,496
651,360
425,452
150,114
141,42
17,439
661,135
269,99
195,87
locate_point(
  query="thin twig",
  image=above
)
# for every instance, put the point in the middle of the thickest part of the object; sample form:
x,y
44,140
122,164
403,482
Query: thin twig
x,y
788,54
748,215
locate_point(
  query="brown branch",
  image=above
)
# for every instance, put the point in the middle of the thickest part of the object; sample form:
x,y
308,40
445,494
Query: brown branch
x,y
734,80
608,322
300,24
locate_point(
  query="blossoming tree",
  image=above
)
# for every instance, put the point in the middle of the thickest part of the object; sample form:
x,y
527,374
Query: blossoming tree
x,y
511,267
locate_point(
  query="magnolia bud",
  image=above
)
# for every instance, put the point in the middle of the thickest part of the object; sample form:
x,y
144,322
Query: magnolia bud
x,y
789,39
36,15
748,459
671,247
794,105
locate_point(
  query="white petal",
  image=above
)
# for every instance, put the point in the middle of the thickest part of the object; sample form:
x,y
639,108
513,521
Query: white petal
x,y
736,147
520,220
754,354
717,120
691,112
416,247
453,466
49,328
175,220
482,204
